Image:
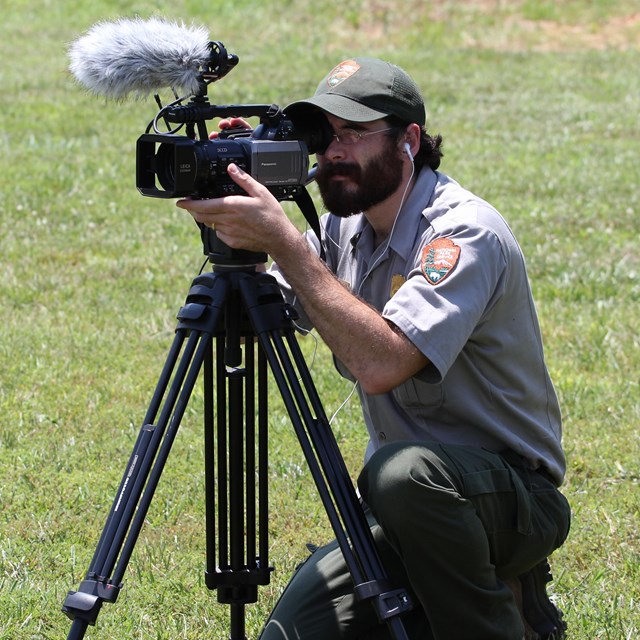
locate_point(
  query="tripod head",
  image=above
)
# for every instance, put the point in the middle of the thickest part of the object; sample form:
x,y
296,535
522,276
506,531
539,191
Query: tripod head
x,y
223,257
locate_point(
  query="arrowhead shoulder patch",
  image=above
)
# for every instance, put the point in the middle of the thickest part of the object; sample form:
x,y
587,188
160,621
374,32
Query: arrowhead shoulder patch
x,y
439,259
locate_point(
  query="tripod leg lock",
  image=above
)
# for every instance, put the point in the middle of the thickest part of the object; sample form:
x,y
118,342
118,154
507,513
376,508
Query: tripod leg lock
x,y
86,602
387,602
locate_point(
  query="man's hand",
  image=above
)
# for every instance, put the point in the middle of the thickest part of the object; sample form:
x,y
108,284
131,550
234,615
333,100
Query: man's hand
x,y
255,222
230,123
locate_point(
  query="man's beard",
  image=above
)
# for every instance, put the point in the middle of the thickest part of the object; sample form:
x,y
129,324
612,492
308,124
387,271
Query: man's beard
x,y
367,186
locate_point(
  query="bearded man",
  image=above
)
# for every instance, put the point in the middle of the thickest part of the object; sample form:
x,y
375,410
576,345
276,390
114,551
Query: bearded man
x,y
424,300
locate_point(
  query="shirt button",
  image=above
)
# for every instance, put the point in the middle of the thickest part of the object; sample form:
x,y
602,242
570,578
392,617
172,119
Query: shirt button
x,y
382,435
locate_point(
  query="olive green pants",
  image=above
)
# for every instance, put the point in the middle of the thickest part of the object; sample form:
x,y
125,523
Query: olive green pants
x,y
450,522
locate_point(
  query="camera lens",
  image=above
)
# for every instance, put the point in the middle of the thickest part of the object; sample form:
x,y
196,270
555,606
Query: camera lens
x,y
165,166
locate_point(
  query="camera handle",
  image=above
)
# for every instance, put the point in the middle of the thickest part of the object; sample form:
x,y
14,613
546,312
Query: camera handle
x,y
233,307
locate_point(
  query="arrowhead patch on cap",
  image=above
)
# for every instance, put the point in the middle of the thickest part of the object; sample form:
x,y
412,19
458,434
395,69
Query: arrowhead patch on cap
x,y
343,71
439,259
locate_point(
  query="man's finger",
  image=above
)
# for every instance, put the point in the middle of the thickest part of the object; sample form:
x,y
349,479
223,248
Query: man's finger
x,y
244,180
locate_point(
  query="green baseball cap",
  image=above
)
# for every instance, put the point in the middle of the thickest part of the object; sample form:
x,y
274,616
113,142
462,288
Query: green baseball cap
x,y
365,89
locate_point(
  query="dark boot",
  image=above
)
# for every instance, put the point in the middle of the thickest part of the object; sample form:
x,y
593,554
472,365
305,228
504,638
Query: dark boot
x,y
542,619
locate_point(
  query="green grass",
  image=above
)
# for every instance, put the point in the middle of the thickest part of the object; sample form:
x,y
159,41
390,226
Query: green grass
x,y
538,106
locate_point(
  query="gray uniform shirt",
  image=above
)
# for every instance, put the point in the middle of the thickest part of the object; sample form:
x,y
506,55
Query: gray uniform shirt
x,y
453,278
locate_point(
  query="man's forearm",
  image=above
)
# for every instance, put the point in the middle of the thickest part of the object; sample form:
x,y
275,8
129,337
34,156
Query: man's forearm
x,y
377,354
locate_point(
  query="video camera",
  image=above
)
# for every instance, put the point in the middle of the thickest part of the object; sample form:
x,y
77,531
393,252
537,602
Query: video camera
x,y
275,153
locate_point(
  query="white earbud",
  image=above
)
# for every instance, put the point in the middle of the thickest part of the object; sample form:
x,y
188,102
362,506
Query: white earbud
x,y
407,148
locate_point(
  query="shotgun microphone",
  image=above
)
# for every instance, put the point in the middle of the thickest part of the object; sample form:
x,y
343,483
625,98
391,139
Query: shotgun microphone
x,y
136,56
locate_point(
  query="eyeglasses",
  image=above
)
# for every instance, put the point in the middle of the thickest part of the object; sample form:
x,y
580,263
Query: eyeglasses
x,y
350,137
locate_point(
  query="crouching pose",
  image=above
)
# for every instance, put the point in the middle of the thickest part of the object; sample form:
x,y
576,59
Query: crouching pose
x,y
423,299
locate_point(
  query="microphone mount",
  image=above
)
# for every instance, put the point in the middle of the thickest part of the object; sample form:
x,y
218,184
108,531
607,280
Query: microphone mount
x,y
220,62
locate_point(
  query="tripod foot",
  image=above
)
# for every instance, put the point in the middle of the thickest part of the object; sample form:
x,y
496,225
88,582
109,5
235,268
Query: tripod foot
x,y
85,603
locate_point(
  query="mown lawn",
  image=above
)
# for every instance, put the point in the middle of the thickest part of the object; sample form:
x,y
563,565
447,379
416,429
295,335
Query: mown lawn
x,y
538,106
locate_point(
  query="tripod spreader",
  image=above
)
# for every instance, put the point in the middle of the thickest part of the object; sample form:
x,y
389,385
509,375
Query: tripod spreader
x,y
230,309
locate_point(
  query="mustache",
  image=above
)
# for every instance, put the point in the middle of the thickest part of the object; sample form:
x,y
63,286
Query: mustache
x,y
339,169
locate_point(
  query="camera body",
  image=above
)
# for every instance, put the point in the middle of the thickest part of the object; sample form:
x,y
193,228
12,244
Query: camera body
x,y
172,166
275,153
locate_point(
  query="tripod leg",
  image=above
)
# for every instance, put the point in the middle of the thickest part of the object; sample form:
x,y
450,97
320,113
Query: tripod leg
x,y
124,523
274,328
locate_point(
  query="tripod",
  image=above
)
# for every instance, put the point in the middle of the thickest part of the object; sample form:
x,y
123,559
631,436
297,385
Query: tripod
x,y
225,313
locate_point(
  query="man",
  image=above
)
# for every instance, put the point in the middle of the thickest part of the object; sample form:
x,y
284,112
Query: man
x,y
424,301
